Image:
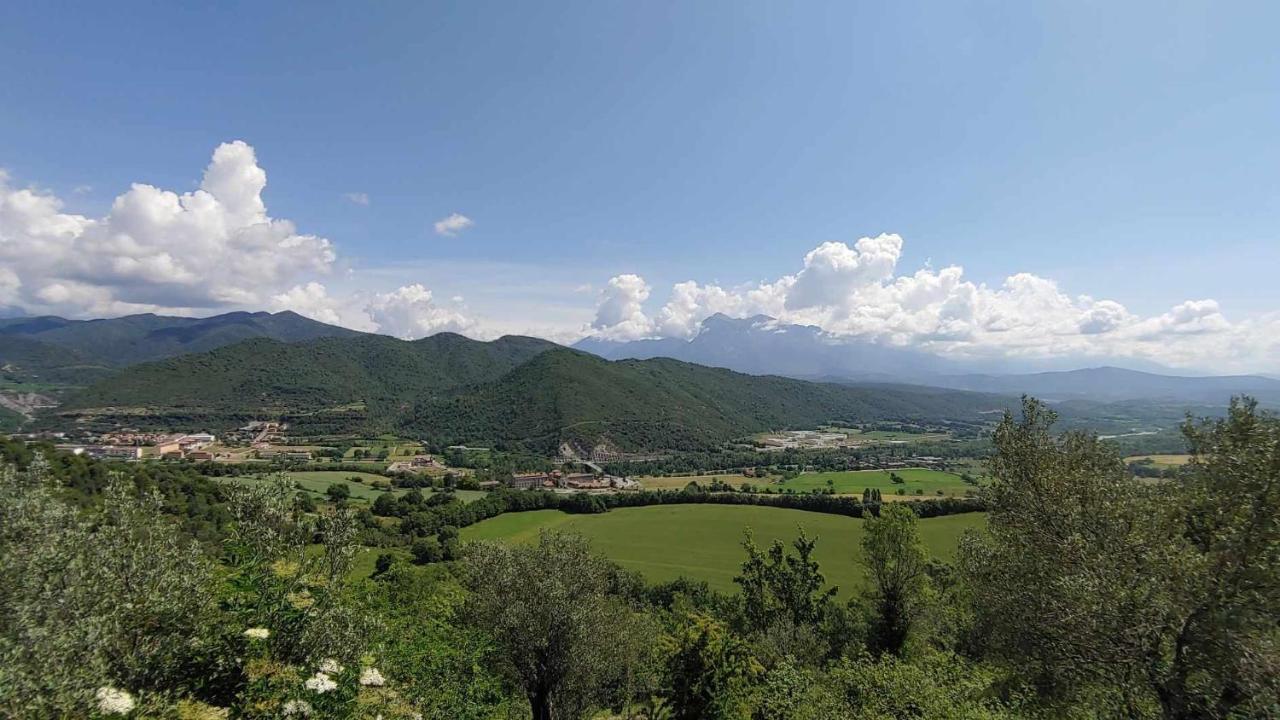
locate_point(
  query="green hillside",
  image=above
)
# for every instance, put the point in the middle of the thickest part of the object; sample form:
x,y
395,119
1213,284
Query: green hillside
x,y
27,361
510,393
359,383
133,339
570,396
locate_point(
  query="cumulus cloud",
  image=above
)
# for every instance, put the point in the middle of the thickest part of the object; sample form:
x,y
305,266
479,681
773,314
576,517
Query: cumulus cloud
x,y
620,315
210,250
857,290
357,198
452,225
156,250
410,312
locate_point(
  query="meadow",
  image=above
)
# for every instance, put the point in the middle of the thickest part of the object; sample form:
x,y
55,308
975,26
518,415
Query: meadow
x,y
1161,461
853,482
704,542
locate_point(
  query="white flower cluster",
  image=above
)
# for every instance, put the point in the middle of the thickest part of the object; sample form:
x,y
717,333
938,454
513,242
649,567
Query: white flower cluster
x,y
330,666
257,633
320,683
297,707
370,676
114,702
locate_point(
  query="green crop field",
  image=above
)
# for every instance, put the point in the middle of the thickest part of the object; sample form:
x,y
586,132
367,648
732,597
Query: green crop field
x,y
1161,461
854,481
703,542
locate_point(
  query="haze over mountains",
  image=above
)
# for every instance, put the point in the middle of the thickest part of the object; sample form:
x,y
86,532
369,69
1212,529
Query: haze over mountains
x,y
58,350
762,345
736,377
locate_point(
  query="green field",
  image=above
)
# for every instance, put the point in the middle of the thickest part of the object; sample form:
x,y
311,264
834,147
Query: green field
x,y
316,482
664,542
853,482
1161,461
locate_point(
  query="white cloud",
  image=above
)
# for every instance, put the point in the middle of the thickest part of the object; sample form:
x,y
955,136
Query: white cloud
x,y
619,315
453,225
410,313
357,198
857,291
157,251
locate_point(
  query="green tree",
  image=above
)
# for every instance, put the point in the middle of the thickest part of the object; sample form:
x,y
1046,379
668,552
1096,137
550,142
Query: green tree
x,y
778,585
896,559
709,671
1147,599
561,635
338,491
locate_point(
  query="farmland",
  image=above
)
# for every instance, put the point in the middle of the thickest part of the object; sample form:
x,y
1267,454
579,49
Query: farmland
x,y
927,482
1160,461
703,542
851,482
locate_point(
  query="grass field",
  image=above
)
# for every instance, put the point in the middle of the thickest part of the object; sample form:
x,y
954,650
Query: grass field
x,y
653,482
664,542
854,481
1164,461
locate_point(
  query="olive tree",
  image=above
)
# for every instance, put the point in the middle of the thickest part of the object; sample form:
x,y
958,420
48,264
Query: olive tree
x,y
561,635
114,601
1149,599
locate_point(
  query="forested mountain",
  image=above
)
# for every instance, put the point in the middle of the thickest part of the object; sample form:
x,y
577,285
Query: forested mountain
x,y
371,378
55,349
24,360
570,396
512,392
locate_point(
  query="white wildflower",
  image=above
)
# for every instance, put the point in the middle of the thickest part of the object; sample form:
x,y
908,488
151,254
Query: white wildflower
x,y
320,683
331,666
114,702
257,633
371,676
297,707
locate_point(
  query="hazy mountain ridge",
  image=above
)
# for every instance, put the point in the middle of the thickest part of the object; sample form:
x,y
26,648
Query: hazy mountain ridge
x,y
139,338
762,345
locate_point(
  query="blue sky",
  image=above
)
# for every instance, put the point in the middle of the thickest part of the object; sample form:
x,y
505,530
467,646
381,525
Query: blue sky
x,y
1124,153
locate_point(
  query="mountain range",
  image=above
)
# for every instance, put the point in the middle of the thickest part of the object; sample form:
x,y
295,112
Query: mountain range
x,y
763,345
513,392
50,349
735,378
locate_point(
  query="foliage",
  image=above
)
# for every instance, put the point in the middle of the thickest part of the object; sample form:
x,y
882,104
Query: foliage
x,y
709,671
781,586
561,634
1146,600
895,557
117,599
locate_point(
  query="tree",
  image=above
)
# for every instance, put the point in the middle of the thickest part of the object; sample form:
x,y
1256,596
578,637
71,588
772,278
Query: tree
x,y
896,560
778,585
338,491
1158,599
560,634
1224,656
709,671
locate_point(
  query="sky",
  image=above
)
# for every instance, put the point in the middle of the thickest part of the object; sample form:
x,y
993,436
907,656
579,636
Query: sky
x,y
1079,179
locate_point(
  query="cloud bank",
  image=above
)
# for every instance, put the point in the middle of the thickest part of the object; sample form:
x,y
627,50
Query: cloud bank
x,y
858,291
